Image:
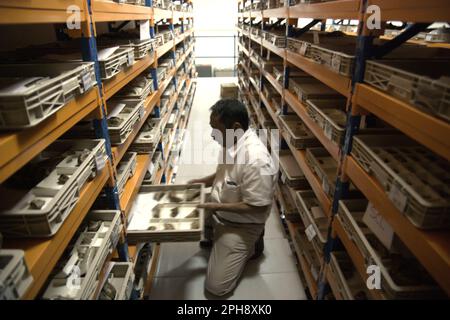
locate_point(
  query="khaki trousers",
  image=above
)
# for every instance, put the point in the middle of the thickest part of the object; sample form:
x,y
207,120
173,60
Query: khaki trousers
x,y
234,245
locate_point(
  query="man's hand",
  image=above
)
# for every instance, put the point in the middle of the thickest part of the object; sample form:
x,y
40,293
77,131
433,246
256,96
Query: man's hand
x,y
208,181
210,206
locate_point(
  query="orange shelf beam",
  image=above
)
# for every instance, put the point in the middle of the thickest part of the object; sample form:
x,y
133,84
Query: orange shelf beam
x,y
281,12
414,10
18,148
104,11
430,131
340,9
41,255
281,52
432,248
273,82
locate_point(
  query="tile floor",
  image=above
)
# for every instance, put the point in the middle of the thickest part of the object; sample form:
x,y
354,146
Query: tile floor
x,y
182,266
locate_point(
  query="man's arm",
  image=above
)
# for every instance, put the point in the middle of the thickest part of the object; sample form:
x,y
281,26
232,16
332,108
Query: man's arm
x,y
238,207
208,181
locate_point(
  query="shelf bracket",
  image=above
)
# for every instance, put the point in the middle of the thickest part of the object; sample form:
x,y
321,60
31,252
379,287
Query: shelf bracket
x,y
306,28
353,123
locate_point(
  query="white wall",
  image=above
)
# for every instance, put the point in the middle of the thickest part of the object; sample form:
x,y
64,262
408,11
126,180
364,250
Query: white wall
x,y
215,18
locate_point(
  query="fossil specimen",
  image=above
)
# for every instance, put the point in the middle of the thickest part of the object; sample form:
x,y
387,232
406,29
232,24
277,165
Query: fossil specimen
x,y
62,179
159,195
108,292
37,204
83,156
174,212
193,195
195,225
193,214
114,121
173,197
169,226
94,226
151,228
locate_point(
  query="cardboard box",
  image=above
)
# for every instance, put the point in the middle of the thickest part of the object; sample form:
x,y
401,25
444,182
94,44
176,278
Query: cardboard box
x,y
229,91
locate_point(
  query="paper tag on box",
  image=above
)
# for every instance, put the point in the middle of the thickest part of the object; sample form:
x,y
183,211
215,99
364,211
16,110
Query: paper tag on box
x,y
130,58
144,27
86,81
141,113
317,213
397,198
303,48
325,186
100,162
328,130
336,63
310,232
380,174
379,226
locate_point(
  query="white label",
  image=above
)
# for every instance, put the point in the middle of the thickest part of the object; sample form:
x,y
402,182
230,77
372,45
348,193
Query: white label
x,y
310,232
145,30
283,178
86,81
380,174
151,168
397,198
130,58
303,48
316,38
328,130
325,186
336,63
379,226
100,162
141,113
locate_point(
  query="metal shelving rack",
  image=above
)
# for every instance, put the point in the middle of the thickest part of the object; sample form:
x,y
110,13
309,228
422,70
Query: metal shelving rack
x,y
19,147
431,248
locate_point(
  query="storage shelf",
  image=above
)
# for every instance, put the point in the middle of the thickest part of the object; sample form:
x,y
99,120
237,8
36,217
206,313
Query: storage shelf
x,y
104,11
18,148
273,82
281,52
281,12
339,9
269,108
112,86
332,79
34,11
430,131
356,256
120,150
430,247
41,255
414,10
245,50
306,269
315,183
318,132
162,50
134,183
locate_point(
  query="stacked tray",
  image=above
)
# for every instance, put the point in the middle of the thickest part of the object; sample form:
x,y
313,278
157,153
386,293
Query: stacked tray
x,y
325,167
30,93
118,284
155,165
424,85
138,88
116,62
149,136
159,40
287,202
167,213
15,278
291,174
330,115
267,120
415,179
38,198
308,253
125,170
161,74
275,37
402,276
141,48
311,88
84,257
313,218
346,279
122,118
300,136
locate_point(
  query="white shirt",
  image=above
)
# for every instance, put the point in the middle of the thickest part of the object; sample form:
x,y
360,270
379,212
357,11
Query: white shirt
x,y
248,176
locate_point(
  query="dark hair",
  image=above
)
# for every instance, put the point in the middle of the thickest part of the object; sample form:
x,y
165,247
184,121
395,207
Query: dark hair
x,y
230,111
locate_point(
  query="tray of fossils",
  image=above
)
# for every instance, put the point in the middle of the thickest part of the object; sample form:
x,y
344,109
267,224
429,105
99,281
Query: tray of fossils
x,y
128,40
167,213
39,197
291,174
275,37
149,136
118,282
15,277
402,275
310,88
155,165
86,254
299,135
125,170
138,88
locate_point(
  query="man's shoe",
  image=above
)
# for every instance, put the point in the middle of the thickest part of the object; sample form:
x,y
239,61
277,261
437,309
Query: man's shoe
x,y
259,247
206,244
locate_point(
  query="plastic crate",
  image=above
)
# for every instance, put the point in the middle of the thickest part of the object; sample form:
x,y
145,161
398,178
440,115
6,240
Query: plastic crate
x,y
149,136
15,278
324,166
40,210
407,280
314,219
30,93
173,218
120,275
287,203
95,240
300,136
424,85
308,253
138,88
348,282
275,37
311,88
415,179
123,117
141,48
155,165
291,174
330,115
125,170
122,58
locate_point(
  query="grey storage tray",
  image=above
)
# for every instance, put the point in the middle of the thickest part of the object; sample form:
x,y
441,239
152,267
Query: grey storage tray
x,y
125,170
308,253
152,170
291,173
416,283
275,38
424,85
414,178
300,136
138,88
15,278
324,166
330,115
121,59
30,93
288,206
311,88
149,137
88,251
121,276
18,218
146,224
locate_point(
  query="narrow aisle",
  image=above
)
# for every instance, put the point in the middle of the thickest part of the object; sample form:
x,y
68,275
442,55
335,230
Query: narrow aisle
x,y
182,266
